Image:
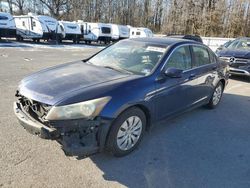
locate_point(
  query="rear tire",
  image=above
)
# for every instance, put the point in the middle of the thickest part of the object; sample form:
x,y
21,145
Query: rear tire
x,y
216,97
126,132
18,38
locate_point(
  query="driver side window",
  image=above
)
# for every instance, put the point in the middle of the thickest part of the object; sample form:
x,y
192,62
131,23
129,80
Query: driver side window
x,y
180,59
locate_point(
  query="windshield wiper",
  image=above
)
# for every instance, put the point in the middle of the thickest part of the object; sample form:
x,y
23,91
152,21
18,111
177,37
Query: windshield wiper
x,y
118,69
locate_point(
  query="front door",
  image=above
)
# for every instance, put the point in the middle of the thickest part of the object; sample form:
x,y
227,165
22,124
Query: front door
x,y
176,94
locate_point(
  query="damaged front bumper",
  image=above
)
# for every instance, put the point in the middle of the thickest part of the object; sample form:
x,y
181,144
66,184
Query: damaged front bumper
x,y
79,137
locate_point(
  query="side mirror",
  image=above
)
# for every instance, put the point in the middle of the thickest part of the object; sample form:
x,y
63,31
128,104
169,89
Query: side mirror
x,y
173,72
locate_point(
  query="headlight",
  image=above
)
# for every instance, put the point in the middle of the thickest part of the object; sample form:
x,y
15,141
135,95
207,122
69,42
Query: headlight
x,y
87,109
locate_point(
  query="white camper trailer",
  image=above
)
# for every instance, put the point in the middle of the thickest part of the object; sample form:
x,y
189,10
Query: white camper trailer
x,y
140,32
119,32
37,27
124,32
95,32
7,25
70,31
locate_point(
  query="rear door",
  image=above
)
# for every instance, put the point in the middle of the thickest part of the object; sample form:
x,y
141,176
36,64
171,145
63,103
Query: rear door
x,y
205,66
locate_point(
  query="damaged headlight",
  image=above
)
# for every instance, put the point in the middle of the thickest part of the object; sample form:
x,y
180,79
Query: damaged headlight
x,y
87,109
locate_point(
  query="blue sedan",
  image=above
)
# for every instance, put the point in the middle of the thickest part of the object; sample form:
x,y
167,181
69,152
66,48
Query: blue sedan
x,y
108,101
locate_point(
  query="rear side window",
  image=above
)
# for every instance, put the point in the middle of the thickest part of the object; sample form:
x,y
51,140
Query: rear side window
x,y
201,56
213,57
180,58
138,33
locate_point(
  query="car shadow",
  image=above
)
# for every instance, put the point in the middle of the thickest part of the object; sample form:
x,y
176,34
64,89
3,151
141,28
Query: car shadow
x,y
240,78
201,148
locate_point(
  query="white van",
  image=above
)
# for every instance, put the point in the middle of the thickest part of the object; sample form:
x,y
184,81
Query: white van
x,y
37,27
95,32
140,32
119,32
7,25
70,31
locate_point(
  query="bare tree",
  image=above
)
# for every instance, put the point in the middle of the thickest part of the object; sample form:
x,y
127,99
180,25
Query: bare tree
x,y
225,18
20,5
55,6
10,4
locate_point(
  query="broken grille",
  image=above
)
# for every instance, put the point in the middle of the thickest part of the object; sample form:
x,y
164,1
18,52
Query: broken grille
x,y
34,108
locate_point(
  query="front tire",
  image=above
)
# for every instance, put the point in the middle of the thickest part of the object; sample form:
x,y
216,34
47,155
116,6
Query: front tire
x,y
216,97
126,132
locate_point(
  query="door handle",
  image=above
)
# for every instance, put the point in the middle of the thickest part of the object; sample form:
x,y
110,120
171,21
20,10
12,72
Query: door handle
x,y
192,76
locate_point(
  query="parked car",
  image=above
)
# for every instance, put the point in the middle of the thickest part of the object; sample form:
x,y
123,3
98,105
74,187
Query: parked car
x,y
224,46
237,54
196,38
106,102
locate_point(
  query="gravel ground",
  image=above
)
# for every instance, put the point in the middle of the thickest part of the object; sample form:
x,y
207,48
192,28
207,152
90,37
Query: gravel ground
x,y
202,148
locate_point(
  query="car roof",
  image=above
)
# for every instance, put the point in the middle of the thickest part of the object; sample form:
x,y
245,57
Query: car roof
x,y
164,40
196,38
242,38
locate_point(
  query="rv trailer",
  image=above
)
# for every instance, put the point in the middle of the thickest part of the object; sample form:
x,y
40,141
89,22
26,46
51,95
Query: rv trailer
x,y
70,31
139,32
7,25
124,32
37,27
119,32
95,32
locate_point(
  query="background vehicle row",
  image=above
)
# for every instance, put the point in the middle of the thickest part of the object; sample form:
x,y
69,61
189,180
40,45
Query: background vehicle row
x,y
37,27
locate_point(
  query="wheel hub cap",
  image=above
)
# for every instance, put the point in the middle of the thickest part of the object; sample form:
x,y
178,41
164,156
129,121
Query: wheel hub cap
x,y
129,133
217,95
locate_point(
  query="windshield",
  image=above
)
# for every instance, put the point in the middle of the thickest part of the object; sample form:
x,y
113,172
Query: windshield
x,y
241,44
132,57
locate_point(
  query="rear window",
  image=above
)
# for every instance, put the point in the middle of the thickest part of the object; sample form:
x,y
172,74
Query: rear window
x,y
106,30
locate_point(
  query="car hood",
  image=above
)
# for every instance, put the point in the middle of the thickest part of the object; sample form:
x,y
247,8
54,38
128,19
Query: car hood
x,y
235,53
52,85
